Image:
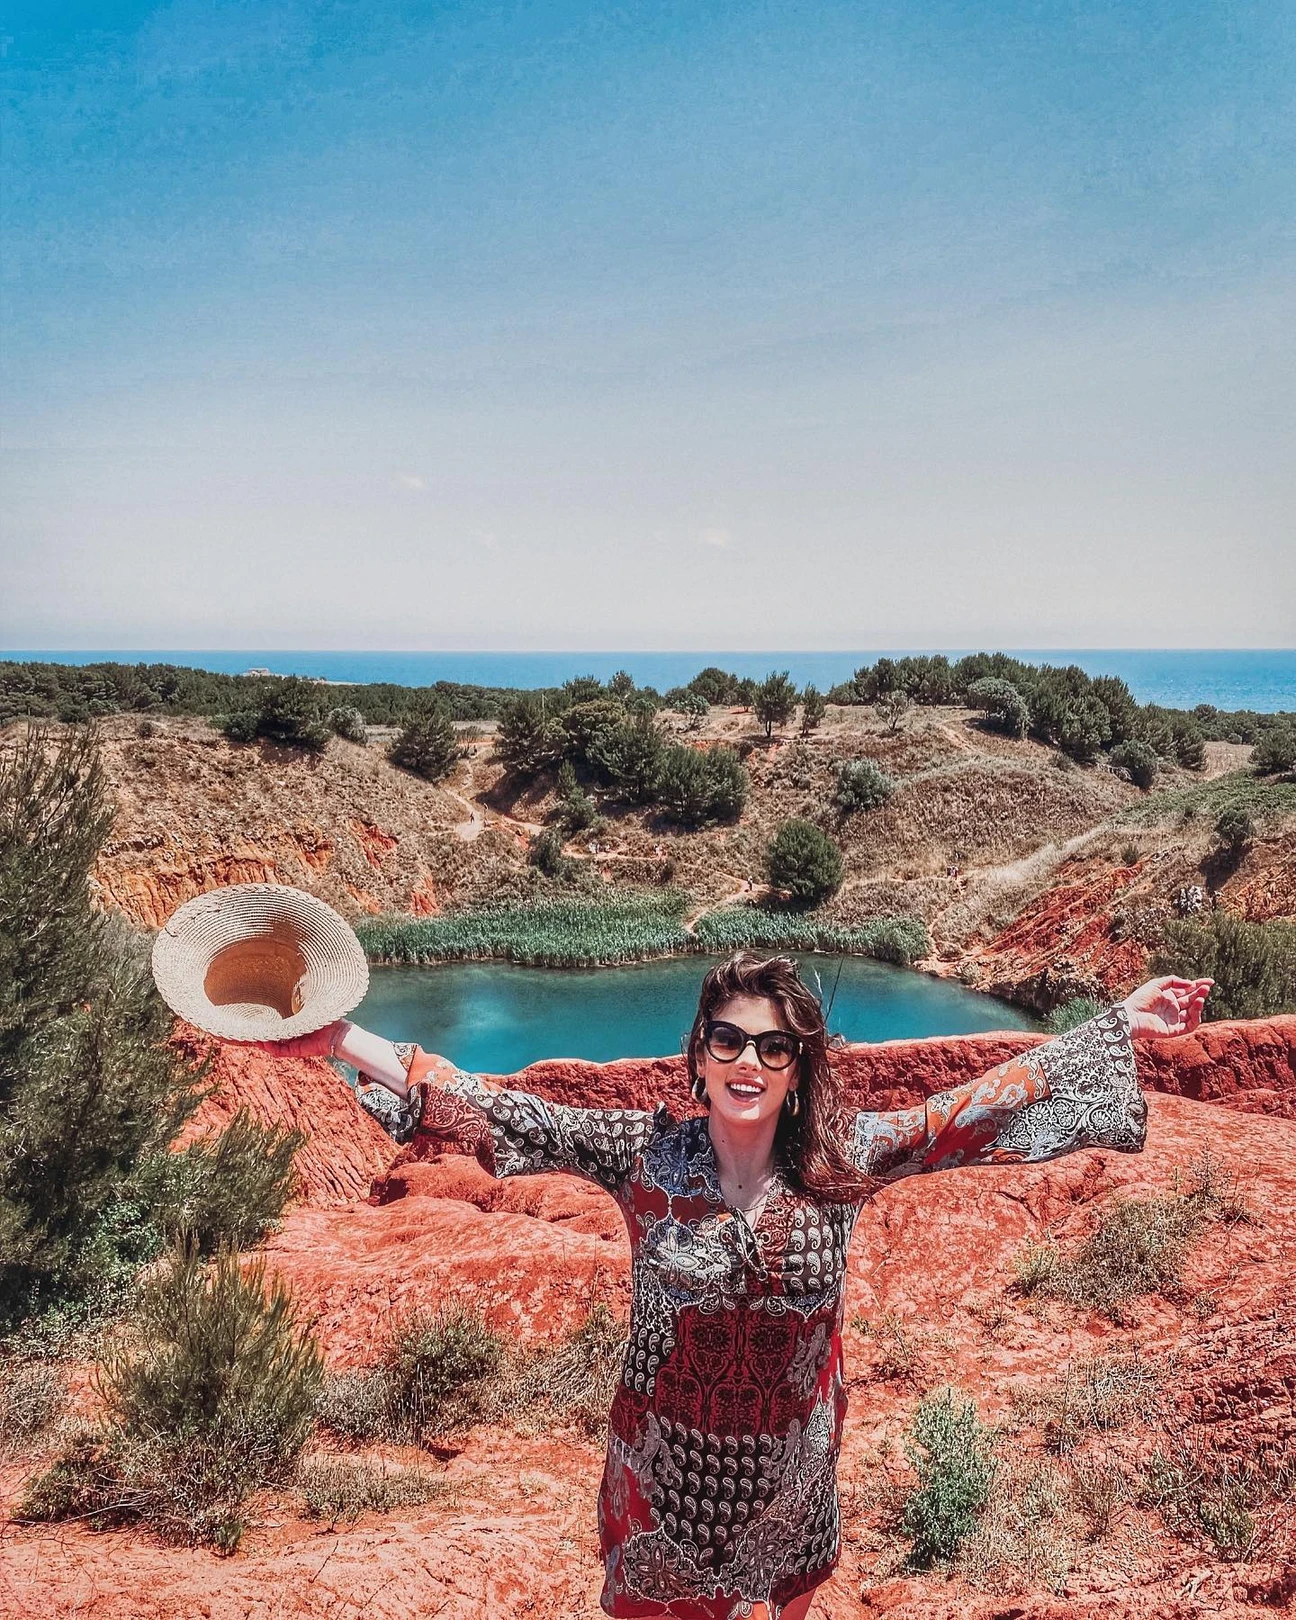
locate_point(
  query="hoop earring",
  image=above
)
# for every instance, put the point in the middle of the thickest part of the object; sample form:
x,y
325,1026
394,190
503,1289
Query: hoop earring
x,y
792,1103
698,1087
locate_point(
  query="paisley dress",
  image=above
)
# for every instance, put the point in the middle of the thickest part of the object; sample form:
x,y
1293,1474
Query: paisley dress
x,y
719,1489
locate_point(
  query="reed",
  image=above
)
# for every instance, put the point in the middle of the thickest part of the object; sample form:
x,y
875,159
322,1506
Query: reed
x,y
582,933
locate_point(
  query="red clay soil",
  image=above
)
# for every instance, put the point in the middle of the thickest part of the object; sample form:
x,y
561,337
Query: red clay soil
x,y
933,1259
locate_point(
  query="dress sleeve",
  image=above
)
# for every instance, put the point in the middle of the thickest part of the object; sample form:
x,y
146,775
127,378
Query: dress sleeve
x,y
1079,1090
510,1133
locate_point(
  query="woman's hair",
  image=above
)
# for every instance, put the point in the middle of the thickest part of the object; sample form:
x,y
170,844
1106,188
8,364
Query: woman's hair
x,y
812,1142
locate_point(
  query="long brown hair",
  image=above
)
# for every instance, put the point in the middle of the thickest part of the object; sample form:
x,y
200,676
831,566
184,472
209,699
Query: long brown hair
x,y
811,1142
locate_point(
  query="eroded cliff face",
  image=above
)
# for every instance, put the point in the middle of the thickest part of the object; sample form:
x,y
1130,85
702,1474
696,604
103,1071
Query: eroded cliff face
x,y
933,1260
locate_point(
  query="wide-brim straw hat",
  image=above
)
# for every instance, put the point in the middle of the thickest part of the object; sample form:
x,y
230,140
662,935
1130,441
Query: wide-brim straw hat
x,y
259,962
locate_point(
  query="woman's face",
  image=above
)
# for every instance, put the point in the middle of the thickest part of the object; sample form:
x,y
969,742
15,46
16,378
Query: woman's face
x,y
746,1091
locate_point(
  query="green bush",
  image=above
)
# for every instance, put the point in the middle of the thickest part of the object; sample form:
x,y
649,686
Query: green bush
x,y
210,1397
529,738
698,787
437,1367
1079,1010
813,708
546,853
348,722
1235,829
291,712
427,744
1253,964
1275,751
774,701
1004,706
630,755
952,1453
90,1089
1138,760
576,810
804,862
241,726
861,785
228,1189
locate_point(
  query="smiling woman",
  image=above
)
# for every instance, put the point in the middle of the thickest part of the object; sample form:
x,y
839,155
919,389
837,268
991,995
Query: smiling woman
x,y
719,1493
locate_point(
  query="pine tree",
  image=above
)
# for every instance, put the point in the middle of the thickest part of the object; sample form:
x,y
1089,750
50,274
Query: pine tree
x,y
427,745
774,701
90,1091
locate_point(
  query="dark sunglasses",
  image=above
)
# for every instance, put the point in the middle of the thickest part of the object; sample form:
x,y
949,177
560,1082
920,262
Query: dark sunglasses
x,y
775,1048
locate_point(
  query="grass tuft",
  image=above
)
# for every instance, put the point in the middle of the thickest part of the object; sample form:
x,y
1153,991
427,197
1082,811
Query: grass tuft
x,y
340,1489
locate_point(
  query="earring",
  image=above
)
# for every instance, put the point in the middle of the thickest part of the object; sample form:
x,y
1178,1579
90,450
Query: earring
x,y
792,1103
698,1088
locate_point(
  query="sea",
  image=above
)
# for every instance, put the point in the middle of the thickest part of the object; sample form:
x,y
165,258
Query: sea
x,y
1262,679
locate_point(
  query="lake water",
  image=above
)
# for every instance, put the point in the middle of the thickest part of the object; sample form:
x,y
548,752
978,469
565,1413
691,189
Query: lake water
x,y
494,1018
1263,679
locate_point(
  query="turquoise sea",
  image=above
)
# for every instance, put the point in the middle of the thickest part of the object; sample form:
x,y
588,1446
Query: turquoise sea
x,y
1261,679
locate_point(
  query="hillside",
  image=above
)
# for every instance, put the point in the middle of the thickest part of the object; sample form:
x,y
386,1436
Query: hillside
x,y
1036,877
1202,1371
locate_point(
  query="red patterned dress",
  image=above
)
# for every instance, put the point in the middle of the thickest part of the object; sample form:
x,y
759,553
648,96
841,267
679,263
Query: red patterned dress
x,y
719,1489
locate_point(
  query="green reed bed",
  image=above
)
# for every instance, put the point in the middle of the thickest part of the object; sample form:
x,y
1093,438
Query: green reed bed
x,y
580,933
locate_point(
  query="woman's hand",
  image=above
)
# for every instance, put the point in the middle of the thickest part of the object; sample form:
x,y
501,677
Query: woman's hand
x,y
1168,1006
320,1043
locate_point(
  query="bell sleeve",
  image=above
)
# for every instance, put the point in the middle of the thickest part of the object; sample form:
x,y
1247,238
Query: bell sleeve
x,y
1079,1090
510,1133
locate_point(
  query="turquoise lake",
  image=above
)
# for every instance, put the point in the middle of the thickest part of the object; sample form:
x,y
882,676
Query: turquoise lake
x,y
494,1018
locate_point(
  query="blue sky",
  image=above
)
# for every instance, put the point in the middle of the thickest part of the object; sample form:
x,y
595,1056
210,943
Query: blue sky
x,y
648,326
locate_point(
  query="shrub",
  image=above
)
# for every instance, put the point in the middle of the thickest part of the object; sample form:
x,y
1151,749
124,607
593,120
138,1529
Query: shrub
x,y
587,725
892,707
340,1490
146,729
90,1089
546,853
1235,829
229,1189
813,708
1274,753
861,785
33,1395
1201,1491
1079,1010
699,786
427,744
434,1359
804,862
528,739
774,701
1137,760
291,712
576,810
630,756
1085,728
1138,1246
1004,706
693,706
348,722
241,726
354,1405
1101,1394
952,1453
210,1397
578,1378
1253,964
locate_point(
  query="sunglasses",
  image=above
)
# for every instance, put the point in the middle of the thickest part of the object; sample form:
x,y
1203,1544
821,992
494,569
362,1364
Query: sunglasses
x,y
775,1048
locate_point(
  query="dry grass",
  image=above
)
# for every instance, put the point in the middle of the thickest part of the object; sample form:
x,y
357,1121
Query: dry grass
x,y
1203,1493
1021,1540
1098,1394
33,1398
1097,1485
340,1489
905,1352
1138,1246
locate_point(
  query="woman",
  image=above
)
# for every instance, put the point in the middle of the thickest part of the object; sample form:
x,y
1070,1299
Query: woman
x,y
719,1491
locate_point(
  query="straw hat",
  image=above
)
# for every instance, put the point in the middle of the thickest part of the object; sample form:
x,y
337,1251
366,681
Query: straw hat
x,y
259,962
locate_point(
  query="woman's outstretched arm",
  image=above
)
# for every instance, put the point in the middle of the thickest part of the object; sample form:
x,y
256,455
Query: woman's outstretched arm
x,y
1078,1090
425,1101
